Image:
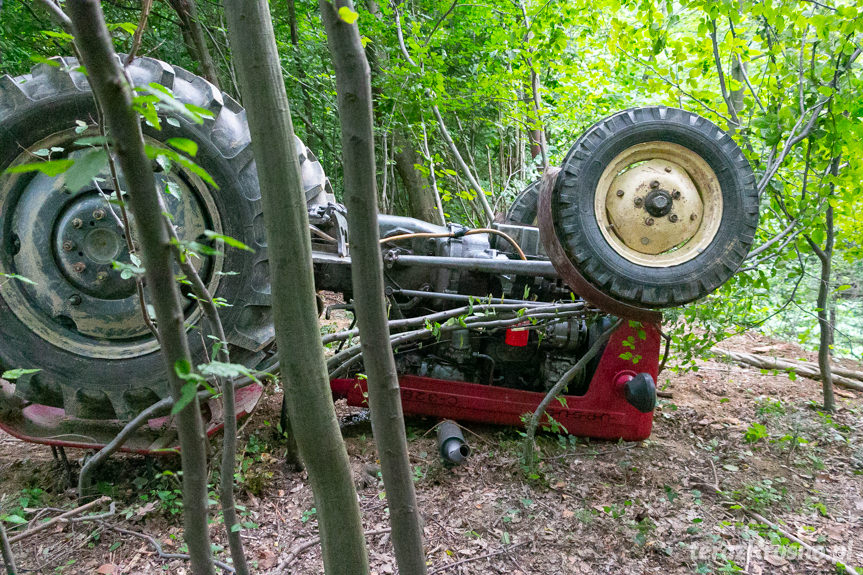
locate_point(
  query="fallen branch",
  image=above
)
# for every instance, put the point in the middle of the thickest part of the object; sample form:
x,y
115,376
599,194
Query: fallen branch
x,y
477,558
302,547
841,376
60,519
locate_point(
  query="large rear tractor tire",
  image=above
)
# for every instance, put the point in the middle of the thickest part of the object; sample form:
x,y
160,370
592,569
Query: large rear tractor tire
x,y
80,322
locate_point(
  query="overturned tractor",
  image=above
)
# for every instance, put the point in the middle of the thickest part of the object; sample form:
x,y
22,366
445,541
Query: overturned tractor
x,y
652,207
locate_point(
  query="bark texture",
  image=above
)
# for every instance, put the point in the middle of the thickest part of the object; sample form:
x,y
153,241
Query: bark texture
x,y
115,97
303,368
353,87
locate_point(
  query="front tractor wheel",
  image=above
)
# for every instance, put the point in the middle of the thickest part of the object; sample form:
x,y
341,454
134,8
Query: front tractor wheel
x,y
655,207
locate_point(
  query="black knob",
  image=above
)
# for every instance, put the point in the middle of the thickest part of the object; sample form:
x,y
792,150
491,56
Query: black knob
x,y
640,392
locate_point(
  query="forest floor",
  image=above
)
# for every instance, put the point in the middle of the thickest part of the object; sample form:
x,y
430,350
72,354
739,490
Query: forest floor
x,y
595,507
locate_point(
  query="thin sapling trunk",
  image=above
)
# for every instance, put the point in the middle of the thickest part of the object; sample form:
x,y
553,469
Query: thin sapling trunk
x,y
353,88
115,98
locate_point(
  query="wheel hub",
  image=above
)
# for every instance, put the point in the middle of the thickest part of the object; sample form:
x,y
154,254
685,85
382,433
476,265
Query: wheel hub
x,y
658,204
88,239
66,244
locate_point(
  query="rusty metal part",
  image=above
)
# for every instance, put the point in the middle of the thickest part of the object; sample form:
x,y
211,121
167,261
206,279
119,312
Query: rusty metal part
x,y
567,270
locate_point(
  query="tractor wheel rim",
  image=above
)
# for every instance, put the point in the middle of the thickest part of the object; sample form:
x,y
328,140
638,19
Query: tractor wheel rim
x,y
658,204
66,244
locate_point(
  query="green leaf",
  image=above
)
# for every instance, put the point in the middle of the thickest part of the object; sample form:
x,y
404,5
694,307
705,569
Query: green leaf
x,y
236,527
185,145
16,519
187,394
222,369
50,168
14,374
348,15
183,369
85,169
234,243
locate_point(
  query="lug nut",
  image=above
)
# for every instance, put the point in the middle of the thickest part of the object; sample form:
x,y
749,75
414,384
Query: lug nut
x,y
79,267
672,218
639,202
75,299
654,184
675,194
77,223
692,217
68,246
619,193
101,276
98,214
668,169
648,221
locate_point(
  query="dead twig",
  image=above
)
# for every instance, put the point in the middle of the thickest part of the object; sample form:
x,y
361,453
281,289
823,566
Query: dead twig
x,y
152,541
500,551
60,519
305,545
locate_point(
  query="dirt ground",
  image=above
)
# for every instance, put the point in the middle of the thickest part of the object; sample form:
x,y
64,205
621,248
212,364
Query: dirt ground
x,y
595,507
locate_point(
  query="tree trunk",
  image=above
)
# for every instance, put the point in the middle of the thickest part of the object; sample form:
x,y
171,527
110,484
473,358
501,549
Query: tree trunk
x,y
825,327
353,87
6,552
303,368
420,193
193,32
115,97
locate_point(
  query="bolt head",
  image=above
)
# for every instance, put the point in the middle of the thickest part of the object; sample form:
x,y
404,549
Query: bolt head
x,y
79,267
75,299
675,194
639,202
68,246
692,217
619,193
668,169
672,218
648,221
98,214
77,223
645,241
101,276
654,184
